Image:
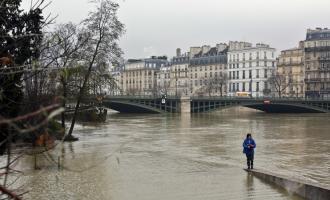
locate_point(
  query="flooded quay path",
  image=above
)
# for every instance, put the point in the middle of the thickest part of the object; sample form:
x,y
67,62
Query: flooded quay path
x,y
182,157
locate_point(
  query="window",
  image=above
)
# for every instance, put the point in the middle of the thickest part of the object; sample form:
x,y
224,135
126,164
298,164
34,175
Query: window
x,y
250,74
265,73
250,86
237,86
257,89
257,73
195,75
257,63
243,74
243,86
196,82
211,74
237,74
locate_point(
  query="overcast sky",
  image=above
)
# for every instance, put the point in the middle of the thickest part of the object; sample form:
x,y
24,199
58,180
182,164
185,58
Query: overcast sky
x,y
158,27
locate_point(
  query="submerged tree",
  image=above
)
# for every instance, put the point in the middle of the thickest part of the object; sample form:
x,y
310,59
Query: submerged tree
x,y
104,30
64,48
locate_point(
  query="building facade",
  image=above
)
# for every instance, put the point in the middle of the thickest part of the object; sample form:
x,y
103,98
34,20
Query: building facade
x,y
163,79
249,69
139,76
208,71
116,87
291,72
179,74
317,63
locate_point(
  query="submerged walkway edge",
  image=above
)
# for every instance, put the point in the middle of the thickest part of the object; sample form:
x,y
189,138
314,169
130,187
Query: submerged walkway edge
x,y
301,188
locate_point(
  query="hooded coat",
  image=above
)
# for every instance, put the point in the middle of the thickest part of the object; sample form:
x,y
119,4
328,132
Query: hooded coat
x,y
246,149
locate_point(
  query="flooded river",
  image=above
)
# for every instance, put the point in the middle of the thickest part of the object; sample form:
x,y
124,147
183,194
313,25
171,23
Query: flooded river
x,y
182,157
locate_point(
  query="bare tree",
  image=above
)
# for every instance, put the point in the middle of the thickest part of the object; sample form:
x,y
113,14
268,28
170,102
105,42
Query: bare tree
x,y
215,84
63,50
278,83
104,30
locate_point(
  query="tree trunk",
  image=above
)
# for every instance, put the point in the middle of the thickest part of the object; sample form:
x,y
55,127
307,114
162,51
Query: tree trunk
x,y
69,137
63,103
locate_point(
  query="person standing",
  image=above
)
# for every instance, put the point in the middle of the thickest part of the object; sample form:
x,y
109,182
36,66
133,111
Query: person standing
x,y
248,148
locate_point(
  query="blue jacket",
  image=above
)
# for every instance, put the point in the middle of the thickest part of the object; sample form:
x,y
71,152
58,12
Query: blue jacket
x,y
247,150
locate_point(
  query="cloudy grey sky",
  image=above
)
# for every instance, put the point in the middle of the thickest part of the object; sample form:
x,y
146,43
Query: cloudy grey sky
x,y
158,27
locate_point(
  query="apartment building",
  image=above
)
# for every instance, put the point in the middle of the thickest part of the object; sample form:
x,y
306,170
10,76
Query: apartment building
x,y
291,72
139,76
179,74
163,79
116,87
317,63
208,70
249,68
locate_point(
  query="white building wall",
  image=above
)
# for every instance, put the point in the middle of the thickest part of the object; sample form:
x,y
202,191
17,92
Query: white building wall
x,y
258,61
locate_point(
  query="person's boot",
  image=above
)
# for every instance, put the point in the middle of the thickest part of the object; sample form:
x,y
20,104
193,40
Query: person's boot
x,y
251,166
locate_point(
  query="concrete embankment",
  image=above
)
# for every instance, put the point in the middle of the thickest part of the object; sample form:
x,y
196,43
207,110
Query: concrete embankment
x,y
302,188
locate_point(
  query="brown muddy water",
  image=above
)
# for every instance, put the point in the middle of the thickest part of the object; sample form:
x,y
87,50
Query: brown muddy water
x,y
182,157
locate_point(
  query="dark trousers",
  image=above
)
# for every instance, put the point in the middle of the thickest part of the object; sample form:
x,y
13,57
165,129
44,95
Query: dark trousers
x,y
249,159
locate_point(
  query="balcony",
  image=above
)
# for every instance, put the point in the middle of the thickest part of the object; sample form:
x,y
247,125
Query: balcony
x,y
312,80
317,80
290,63
323,58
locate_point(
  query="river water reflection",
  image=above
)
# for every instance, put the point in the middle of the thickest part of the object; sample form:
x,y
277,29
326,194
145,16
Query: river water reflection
x,y
183,157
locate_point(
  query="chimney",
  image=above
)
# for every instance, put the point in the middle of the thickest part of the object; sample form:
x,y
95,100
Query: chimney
x,y
178,52
301,44
205,49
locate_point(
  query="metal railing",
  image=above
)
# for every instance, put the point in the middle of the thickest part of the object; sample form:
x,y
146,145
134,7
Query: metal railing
x,y
194,97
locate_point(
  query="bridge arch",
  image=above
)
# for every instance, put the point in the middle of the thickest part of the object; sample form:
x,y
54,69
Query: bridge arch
x,y
272,108
130,107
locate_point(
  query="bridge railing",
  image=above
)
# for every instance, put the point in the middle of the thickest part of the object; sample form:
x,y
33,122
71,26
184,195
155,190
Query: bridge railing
x,y
259,98
217,98
141,97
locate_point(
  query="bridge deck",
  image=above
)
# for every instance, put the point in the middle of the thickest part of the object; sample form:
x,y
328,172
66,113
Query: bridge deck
x,y
156,104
